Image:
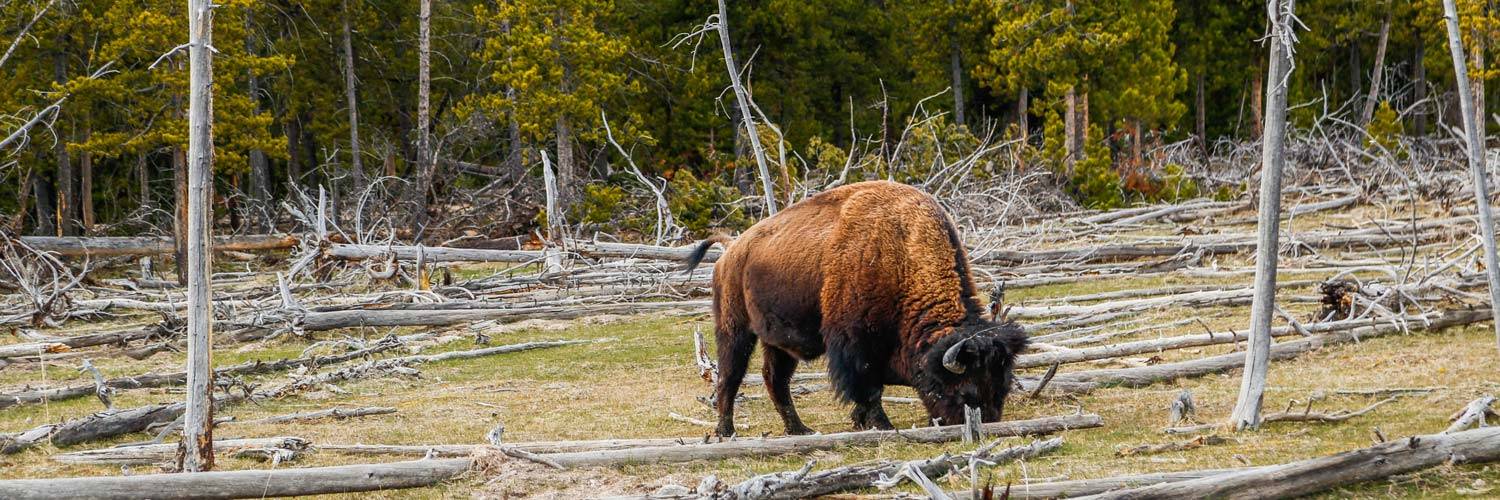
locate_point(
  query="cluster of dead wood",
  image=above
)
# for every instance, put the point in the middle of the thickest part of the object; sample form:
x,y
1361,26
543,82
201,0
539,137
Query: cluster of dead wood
x,y
1375,286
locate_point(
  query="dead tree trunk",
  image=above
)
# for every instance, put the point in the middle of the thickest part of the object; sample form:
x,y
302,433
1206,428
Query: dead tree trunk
x,y
1262,308
425,162
1200,116
356,168
260,170
956,65
67,182
1419,84
743,97
197,427
1374,96
1474,132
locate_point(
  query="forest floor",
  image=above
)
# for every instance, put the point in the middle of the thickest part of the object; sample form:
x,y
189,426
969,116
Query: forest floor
x,y
627,386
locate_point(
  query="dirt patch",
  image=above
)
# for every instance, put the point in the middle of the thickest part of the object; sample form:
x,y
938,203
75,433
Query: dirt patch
x,y
506,477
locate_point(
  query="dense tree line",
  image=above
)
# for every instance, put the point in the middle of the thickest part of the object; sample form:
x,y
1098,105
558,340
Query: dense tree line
x,y
326,93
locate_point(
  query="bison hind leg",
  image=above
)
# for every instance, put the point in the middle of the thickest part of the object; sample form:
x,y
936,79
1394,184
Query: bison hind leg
x,y
858,381
735,345
778,370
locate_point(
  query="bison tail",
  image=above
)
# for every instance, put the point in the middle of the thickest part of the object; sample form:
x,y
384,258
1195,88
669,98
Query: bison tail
x,y
701,250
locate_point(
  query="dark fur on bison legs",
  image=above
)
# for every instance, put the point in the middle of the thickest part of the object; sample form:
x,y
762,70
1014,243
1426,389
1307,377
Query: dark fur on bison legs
x,y
734,358
778,369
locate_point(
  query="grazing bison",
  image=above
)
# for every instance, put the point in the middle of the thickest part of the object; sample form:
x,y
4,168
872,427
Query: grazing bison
x,y
873,275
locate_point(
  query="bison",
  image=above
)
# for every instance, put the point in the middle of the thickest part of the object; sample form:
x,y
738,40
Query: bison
x,y
874,276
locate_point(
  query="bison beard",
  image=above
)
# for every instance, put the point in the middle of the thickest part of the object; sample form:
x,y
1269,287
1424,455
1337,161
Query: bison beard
x,y
873,275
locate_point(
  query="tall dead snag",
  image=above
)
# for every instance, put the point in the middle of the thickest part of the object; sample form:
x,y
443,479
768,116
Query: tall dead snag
x,y
1474,132
197,427
425,161
1373,98
1262,307
356,169
743,97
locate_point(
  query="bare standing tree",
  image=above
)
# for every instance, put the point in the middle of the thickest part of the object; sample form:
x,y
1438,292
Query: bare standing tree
x,y
356,169
424,147
197,447
1262,307
1374,96
743,97
1474,133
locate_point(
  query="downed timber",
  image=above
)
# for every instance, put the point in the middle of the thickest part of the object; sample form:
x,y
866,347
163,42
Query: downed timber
x,y
1211,245
673,450
807,484
1080,487
1078,355
244,483
88,340
148,454
333,413
447,254
443,315
103,246
178,378
800,444
97,426
1319,474
1147,375
397,364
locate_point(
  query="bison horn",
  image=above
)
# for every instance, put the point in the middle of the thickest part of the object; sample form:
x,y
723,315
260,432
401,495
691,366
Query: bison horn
x,y
950,358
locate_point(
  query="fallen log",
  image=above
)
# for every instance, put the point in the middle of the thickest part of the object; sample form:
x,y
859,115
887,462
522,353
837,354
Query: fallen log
x,y
806,484
800,444
149,454
88,340
100,425
1319,474
1081,487
452,315
1143,376
334,413
178,378
104,246
615,451
243,484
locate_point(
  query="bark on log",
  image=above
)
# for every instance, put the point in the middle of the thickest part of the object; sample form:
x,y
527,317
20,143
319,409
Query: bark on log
x,y
97,426
242,484
1318,474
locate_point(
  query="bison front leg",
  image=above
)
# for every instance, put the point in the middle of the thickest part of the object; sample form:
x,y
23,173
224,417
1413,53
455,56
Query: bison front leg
x,y
858,382
735,346
778,369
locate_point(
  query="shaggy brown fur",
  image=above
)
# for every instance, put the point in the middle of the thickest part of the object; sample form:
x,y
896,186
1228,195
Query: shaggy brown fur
x,y
874,275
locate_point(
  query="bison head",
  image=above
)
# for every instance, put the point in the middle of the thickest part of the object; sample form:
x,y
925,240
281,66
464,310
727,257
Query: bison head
x,y
970,367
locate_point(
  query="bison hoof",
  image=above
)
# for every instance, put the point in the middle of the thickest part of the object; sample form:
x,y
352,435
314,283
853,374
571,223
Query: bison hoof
x,y
799,430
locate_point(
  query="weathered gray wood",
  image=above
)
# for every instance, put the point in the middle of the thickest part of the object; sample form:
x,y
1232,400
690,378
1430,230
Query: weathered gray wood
x,y
1080,487
807,484
742,97
1143,376
149,454
97,426
431,316
802,444
242,484
198,419
432,254
1319,474
1474,135
176,378
1473,414
1246,413
333,413
106,246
